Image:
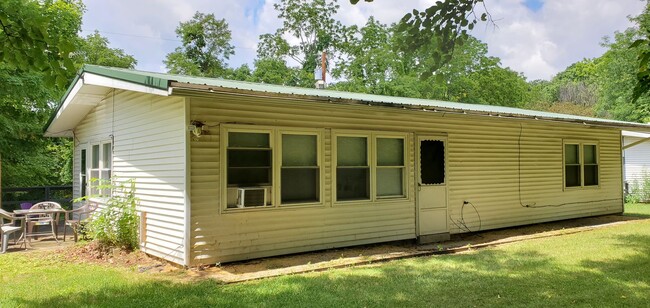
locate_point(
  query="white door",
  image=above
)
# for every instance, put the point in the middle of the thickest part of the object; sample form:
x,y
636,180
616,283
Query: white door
x,y
431,184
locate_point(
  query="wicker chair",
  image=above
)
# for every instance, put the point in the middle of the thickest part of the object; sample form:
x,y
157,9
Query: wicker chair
x,y
78,218
7,227
32,220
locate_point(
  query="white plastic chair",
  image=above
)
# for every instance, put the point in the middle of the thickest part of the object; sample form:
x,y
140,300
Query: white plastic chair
x,y
7,227
78,218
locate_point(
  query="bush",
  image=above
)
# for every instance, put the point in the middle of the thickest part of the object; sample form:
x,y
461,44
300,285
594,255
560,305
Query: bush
x,y
640,190
116,225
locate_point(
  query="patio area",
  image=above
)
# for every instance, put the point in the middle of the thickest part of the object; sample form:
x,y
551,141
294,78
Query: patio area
x,y
40,243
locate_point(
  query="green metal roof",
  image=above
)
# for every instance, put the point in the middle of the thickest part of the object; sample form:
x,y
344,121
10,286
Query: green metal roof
x,y
163,81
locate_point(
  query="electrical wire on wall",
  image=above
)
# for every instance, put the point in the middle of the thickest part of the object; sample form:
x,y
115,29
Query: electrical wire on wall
x,y
534,205
461,224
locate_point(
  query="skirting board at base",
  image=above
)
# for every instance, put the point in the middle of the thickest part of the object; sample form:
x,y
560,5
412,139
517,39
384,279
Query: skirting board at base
x,y
432,238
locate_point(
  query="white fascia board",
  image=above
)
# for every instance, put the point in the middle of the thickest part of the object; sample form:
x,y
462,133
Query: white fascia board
x,y
75,99
628,133
98,80
66,103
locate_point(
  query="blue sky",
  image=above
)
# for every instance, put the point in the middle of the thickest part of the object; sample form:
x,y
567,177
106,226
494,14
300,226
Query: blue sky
x,y
535,37
534,5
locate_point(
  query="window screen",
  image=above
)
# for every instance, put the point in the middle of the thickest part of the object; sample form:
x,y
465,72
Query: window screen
x,y
101,156
572,176
249,158
352,170
432,162
95,156
300,173
390,167
590,164
107,162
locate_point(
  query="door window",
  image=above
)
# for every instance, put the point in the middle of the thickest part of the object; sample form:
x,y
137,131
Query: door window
x,y
432,162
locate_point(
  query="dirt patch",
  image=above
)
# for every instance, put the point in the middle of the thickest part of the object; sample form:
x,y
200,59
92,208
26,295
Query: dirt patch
x,y
94,253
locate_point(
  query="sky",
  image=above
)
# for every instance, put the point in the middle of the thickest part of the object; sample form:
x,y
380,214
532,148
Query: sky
x,y
536,37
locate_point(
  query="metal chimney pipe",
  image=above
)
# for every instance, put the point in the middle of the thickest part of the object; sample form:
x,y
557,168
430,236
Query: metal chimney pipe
x,y
323,64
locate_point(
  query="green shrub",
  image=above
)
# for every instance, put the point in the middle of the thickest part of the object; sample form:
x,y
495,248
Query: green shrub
x,y
116,224
640,190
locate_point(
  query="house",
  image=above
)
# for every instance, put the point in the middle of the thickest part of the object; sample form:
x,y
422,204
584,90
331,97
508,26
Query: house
x,y
636,157
229,170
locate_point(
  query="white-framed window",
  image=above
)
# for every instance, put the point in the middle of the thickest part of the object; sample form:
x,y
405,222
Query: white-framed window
x,y
581,164
370,166
249,159
390,166
300,169
272,167
101,161
352,168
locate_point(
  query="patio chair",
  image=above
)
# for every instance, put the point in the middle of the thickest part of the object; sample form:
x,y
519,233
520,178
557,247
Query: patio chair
x,y
43,219
7,227
78,218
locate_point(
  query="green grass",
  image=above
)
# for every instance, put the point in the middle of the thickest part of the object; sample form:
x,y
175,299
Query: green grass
x,y
637,209
605,267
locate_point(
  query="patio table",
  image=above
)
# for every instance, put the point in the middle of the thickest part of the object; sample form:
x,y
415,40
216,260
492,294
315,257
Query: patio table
x,y
24,213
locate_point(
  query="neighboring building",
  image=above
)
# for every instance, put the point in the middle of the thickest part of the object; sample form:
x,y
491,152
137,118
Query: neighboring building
x,y
229,170
636,157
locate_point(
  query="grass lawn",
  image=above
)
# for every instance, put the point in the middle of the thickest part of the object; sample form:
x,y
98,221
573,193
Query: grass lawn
x,y
605,267
637,209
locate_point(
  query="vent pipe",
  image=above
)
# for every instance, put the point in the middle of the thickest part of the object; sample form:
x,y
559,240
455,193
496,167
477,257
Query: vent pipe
x,y
321,72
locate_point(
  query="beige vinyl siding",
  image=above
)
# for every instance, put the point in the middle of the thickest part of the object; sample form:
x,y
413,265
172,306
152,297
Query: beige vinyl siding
x,y
637,161
483,168
148,146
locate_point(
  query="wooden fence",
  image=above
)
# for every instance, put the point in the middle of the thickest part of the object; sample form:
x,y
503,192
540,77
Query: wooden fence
x,y
14,196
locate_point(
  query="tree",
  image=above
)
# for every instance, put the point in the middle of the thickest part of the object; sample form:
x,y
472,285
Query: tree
x,y
618,70
206,47
36,41
445,24
39,36
94,49
374,63
27,100
309,22
370,60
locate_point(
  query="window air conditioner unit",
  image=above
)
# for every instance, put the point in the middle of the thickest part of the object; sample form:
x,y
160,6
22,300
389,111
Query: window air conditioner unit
x,y
251,196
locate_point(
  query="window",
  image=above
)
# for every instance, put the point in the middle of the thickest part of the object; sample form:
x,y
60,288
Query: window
x,y
432,162
249,159
101,156
580,164
390,167
352,169
83,180
355,174
300,172
286,177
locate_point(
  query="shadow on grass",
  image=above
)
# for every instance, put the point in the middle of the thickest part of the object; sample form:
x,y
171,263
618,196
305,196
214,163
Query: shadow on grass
x,y
484,278
640,210
637,215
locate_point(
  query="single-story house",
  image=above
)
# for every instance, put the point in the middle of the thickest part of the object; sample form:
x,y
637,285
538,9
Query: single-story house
x,y
229,170
636,157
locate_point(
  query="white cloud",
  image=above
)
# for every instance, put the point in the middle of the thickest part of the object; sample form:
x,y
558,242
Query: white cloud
x,y
539,44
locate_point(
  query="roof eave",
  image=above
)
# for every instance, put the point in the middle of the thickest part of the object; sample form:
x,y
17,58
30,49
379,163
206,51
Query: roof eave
x,y
423,108
101,77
